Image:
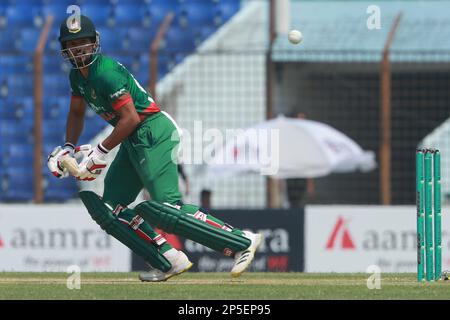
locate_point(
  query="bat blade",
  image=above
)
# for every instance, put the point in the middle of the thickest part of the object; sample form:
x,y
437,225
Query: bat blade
x,y
71,165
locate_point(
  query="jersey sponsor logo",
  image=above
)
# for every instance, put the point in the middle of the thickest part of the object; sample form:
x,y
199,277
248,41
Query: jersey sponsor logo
x,y
118,93
81,90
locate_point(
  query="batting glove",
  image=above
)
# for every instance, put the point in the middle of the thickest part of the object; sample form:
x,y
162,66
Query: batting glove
x,y
93,164
54,160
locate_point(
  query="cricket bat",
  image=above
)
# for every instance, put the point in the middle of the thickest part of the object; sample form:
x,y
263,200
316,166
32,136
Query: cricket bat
x,y
70,164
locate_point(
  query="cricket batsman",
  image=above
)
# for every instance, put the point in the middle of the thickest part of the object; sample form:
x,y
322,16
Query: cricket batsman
x,y
148,138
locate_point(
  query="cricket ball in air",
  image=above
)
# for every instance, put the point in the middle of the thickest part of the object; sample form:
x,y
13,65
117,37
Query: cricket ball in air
x,y
295,36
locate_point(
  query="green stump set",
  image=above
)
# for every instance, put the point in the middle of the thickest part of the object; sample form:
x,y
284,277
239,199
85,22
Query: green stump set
x,y
428,202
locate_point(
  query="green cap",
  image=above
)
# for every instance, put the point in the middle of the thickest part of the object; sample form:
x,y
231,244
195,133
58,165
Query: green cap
x,y
78,29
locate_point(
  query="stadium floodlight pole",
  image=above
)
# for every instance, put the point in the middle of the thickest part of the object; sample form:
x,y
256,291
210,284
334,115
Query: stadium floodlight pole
x,y
153,54
271,184
279,23
38,97
385,118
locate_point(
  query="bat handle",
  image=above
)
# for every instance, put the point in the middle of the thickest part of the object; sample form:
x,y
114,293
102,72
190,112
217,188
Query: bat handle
x,y
71,165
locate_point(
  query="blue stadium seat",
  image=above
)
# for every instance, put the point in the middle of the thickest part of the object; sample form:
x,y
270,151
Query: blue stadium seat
x,y
90,113
135,65
125,59
55,140
53,113
171,61
92,120
101,15
30,3
62,2
18,138
142,76
7,111
163,68
7,129
88,134
225,10
93,125
197,13
144,67
16,132
97,2
56,85
135,2
56,108
131,15
17,184
47,148
10,64
179,40
53,63
26,125
58,10
204,32
160,8
3,148
59,189
23,16
144,60
19,85
111,39
19,154
4,92
179,57
53,44
3,21
54,130
21,107
28,40
7,41
137,41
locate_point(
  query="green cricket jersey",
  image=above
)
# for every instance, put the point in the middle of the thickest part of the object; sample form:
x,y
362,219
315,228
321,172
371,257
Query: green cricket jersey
x,y
108,80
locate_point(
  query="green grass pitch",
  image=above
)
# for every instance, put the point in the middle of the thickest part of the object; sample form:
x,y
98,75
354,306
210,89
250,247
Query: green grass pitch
x,y
219,286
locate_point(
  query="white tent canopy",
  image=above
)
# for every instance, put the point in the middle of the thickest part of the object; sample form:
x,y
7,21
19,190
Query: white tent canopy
x,y
290,148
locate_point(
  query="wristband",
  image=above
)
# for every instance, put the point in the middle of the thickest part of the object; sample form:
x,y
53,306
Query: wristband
x,y
100,151
70,147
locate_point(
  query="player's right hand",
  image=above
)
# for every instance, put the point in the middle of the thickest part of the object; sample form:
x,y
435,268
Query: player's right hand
x,y
54,160
81,153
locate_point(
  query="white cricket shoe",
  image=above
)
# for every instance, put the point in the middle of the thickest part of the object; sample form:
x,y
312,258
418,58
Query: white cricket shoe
x,y
244,258
180,263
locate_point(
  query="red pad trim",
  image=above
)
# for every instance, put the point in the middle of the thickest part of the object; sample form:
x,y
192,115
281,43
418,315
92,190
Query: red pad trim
x,y
214,224
97,166
152,108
